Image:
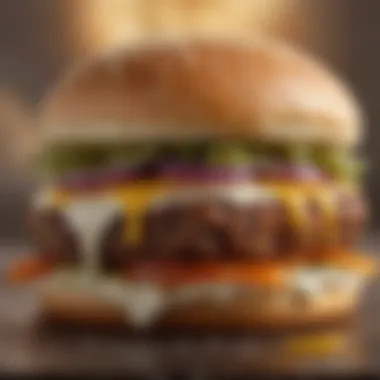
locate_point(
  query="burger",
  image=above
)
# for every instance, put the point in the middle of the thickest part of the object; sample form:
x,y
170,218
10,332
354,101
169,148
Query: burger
x,y
199,184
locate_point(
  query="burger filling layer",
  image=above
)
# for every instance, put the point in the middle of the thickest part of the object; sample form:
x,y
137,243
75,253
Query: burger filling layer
x,y
109,208
198,201
91,165
244,221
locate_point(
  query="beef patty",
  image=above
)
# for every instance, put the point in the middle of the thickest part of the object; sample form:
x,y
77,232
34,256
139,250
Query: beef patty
x,y
206,230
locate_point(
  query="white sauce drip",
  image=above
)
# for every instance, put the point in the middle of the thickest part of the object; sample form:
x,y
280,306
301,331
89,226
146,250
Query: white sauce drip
x,y
89,218
143,302
325,280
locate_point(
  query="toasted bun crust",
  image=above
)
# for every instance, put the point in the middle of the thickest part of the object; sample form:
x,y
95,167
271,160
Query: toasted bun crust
x,y
75,308
234,314
287,311
258,89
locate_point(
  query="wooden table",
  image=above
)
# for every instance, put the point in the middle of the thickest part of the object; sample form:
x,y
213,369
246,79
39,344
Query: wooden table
x,y
25,348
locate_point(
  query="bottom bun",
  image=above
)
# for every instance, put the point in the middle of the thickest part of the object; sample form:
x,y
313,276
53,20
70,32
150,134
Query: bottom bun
x,y
233,315
306,296
81,309
248,318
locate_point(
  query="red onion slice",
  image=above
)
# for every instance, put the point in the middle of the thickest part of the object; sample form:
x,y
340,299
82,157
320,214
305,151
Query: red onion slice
x,y
288,172
95,179
203,173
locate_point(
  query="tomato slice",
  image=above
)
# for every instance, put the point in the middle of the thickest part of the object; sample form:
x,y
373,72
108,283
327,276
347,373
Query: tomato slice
x,y
271,273
28,269
175,273
358,262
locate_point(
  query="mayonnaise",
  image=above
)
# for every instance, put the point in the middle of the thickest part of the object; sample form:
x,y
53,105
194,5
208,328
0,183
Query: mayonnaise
x,y
326,280
89,218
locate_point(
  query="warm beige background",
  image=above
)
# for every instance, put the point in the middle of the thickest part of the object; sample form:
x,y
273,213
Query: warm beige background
x,y
106,23
41,38
100,24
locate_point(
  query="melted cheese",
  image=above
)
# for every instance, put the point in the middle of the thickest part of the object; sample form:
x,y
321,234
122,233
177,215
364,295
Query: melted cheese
x,y
316,344
295,199
326,201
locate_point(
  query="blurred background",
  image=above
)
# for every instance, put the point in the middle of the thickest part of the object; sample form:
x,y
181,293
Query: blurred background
x,y
41,38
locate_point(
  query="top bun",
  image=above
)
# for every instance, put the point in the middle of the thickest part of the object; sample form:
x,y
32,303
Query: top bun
x,y
258,90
